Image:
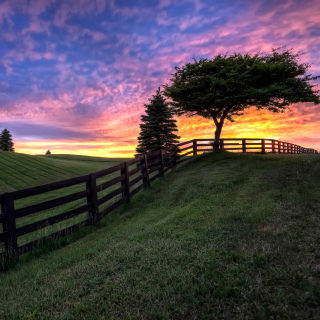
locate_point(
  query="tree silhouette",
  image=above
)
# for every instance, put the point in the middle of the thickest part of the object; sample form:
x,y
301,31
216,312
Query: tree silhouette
x,y
48,152
223,87
6,143
158,127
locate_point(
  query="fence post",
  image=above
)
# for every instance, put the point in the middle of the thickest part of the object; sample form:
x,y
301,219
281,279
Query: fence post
x,y
175,156
273,146
9,226
146,180
125,182
263,146
244,149
92,199
195,150
221,144
162,164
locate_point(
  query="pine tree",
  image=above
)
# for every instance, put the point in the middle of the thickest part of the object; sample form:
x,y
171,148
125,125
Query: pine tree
x,y
6,143
158,127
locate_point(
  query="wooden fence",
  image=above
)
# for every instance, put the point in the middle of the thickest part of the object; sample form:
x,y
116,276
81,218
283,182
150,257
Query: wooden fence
x,y
132,176
255,145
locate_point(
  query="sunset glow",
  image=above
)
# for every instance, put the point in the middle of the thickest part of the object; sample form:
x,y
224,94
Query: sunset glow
x,y
74,75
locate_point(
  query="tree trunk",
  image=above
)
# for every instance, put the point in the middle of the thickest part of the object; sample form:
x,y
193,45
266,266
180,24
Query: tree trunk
x,y
217,134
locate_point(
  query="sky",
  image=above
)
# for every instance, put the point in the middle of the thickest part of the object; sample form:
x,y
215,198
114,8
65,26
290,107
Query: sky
x,y
75,74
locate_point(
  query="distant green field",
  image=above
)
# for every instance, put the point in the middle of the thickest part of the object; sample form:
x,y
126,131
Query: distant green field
x,y
223,236
21,171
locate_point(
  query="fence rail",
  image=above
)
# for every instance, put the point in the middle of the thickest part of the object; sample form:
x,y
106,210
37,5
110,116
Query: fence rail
x,y
146,169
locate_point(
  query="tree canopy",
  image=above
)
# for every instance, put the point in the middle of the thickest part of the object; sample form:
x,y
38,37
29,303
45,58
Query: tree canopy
x,y
158,127
6,143
223,87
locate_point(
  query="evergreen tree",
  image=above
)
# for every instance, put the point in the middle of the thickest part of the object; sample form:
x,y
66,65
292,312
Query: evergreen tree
x,y
6,143
158,127
48,152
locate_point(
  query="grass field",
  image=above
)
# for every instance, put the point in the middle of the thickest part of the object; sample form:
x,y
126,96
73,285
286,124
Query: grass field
x,y
21,171
227,236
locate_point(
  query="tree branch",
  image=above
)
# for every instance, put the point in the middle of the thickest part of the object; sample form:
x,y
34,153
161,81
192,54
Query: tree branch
x,y
215,119
225,113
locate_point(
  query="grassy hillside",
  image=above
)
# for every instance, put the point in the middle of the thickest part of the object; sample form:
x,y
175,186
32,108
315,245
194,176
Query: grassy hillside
x,y
228,236
20,171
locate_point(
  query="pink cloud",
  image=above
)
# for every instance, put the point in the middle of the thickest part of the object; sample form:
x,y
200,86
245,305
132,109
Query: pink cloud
x,y
80,7
116,92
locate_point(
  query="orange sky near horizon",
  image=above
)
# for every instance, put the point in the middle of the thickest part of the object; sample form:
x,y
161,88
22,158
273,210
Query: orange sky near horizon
x,y
288,126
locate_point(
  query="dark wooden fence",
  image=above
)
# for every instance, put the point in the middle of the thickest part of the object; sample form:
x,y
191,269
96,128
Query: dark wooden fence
x,y
255,145
132,176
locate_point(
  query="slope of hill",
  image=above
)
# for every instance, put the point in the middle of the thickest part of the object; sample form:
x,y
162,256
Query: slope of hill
x,y
20,171
227,236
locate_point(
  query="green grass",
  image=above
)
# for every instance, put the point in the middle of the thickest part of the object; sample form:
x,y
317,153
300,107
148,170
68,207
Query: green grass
x,y
227,236
21,171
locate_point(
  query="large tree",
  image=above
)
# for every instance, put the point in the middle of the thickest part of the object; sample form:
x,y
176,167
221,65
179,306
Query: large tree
x,y
6,143
158,128
223,87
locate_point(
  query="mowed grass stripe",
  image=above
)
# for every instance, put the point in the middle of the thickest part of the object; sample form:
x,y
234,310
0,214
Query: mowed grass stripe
x,y
51,165
24,166
11,177
5,186
81,167
45,166
24,170
83,158
7,173
32,162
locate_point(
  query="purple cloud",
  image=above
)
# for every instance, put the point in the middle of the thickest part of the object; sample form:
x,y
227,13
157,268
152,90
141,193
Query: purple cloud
x,y
88,67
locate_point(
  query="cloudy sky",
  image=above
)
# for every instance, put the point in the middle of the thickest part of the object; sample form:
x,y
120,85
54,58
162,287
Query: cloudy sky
x,y
75,74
